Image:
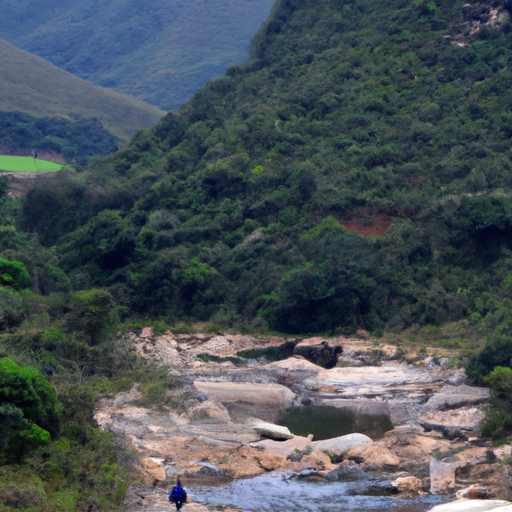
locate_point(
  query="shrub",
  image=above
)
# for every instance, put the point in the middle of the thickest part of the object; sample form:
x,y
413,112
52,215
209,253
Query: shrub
x,y
14,274
11,307
497,427
95,313
29,410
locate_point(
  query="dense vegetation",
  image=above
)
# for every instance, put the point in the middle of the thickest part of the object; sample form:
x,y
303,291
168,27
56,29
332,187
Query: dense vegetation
x,y
32,85
161,52
75,139
232,212
232,209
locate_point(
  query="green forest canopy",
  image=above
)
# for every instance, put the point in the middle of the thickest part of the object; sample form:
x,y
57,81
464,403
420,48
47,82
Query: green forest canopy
x,y
216,212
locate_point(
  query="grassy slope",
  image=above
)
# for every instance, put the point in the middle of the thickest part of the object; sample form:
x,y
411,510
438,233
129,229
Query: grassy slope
x,y
26,164
161,52
30,84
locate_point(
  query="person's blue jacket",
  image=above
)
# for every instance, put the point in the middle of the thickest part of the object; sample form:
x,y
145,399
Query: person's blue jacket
x,y
178,493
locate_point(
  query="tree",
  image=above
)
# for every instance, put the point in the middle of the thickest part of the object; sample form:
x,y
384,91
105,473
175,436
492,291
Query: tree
x,y
29,409
14,274
11,307
95,313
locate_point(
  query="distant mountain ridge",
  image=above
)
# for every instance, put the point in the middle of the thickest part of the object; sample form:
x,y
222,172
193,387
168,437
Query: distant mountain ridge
x,y
160,52
32,85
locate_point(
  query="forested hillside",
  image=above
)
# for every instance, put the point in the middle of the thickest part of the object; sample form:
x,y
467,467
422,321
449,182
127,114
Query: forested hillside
x,y
34,86
233,209
160,52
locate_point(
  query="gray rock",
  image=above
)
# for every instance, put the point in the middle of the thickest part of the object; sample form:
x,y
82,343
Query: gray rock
x,y
465,418
454,397
340,444
344,472
442,476
207,470
270,430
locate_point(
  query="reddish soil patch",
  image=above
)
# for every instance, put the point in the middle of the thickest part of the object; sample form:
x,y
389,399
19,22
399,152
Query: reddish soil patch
x,y
376,226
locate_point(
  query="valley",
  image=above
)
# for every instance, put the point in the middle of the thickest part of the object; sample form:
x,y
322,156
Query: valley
x,y
300,280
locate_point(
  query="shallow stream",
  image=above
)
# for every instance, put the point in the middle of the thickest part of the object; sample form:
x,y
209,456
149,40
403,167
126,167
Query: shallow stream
x,y
278,492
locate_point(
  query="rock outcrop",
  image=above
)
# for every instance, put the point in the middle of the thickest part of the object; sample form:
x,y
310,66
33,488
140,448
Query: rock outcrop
x,y
373,456
465,418
245,399
211,438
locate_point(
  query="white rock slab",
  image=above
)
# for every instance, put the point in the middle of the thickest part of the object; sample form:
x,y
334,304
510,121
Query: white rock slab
x,y
340,444
388,382
269,395
454,397
474,506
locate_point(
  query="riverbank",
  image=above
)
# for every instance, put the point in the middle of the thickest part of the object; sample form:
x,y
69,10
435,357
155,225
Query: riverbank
x,y
431,448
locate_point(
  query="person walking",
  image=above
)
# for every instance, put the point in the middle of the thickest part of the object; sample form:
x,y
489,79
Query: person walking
x,y
178,495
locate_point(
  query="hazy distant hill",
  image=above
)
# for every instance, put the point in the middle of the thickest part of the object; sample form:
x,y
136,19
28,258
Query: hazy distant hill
x,y
160,51
30,84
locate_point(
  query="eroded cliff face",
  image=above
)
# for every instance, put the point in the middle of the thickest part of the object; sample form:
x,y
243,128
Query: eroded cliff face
x,y
218,435
474,18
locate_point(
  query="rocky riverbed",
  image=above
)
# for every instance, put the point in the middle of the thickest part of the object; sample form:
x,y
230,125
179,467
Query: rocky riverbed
x,y
226,431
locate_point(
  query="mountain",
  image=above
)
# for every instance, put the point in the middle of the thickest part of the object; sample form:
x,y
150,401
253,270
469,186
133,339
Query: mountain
x,y
160,52
354,174
32,85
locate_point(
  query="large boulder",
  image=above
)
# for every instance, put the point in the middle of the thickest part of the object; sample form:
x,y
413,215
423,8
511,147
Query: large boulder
x,y
340,444
408,483
375,455
284,448
412,447
246,400
442,476
319,352
317,460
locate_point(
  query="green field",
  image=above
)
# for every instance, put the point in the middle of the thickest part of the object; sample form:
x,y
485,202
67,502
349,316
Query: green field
x,y
26,164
